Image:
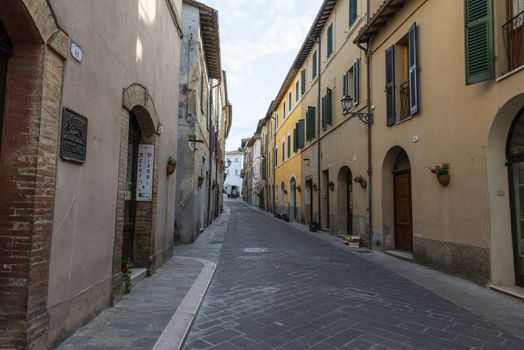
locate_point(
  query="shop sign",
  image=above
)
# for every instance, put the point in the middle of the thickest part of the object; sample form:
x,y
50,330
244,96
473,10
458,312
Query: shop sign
x,y
73,140
146,156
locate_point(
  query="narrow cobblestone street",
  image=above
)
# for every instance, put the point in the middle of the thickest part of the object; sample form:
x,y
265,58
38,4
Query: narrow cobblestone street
x,y
279,288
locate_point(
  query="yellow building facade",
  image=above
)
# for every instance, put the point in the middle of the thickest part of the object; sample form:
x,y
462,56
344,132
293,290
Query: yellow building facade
x,y
290,129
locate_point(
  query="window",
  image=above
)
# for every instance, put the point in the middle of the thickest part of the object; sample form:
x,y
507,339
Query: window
x,y
276,121
402,71
512,31
288,146
284,112
290,100
303,81
310,123
5,53
330,41
283,148
478,23
326,109
351,82
315,65
352,12
297,90
276,156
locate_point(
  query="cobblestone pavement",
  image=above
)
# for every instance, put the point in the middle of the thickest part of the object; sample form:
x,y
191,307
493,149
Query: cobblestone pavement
x,y
277,287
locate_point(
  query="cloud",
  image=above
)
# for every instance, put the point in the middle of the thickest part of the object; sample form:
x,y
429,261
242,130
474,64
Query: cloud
x,y
259,41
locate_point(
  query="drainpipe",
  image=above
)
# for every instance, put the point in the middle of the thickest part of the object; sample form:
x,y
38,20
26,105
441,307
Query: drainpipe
x,y
367,51
319,153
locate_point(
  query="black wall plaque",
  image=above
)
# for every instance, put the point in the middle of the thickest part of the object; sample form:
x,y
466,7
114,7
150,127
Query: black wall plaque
x,y
73,142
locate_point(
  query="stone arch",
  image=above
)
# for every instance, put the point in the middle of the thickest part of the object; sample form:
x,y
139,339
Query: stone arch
x,y
136,101
502,266
31,118
136,98
344,201
395,160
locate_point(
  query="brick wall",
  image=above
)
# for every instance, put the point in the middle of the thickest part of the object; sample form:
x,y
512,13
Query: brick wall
x,y
27,179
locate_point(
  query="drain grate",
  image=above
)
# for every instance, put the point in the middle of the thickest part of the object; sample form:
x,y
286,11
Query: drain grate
x,y
255,250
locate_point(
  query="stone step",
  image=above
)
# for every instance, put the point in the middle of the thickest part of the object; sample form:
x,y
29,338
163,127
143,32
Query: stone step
x,y
137,275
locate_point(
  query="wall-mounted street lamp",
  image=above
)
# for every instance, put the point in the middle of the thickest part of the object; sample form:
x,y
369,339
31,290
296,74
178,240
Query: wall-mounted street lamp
x,y
347,104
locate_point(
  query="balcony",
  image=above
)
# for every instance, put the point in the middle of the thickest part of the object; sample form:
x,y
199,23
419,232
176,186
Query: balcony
x,y
513,40
405,111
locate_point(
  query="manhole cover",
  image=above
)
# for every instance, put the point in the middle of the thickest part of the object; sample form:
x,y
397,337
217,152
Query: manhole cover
x,y
255,250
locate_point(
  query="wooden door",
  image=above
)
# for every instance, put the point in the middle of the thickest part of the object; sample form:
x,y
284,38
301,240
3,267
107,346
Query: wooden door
x,y
403,220
128,243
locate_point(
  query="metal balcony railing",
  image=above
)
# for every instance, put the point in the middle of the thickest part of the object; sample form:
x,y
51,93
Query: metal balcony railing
x,y
405,111
513,39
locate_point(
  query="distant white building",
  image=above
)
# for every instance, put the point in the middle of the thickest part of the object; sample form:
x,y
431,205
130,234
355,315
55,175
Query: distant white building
x,y
233,182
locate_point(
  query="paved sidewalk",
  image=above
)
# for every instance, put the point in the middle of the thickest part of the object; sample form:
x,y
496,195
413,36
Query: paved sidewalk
x,y
139,319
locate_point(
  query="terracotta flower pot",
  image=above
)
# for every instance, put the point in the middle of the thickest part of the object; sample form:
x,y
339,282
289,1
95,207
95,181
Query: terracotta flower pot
x,y
364,184
443,179
170,169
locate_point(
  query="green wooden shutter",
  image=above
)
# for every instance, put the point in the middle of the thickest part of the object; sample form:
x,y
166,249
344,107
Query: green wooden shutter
x,y
330,41
356,82
300,133
307,125
352,11
329,116
303,78
311,123
288,146
345,84
478,23
413,67
390,86
295,138
323,112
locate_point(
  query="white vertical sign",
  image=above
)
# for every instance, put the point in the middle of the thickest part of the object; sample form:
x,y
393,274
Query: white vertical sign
x,y
144,186
308,196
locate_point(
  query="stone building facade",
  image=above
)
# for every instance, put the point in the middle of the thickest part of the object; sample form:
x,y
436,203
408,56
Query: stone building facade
x,y
201,108
81,99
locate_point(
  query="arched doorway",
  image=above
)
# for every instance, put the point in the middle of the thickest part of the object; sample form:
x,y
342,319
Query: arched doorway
x,y
515,158
397,203
133,142
293,199
137,185
345,201
402,202
282,198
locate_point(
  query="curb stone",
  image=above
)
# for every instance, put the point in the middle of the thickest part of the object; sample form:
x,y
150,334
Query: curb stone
x,y
175,333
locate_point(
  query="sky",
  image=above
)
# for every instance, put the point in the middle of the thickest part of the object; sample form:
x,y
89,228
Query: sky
x,y
259,40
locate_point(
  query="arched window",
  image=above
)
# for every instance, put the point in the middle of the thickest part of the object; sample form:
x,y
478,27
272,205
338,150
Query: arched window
x,y
5,53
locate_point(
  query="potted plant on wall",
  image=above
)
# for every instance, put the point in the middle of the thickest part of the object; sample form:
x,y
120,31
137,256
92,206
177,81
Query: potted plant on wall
x,y
360,180
171,166
200,181
442,172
